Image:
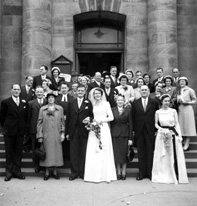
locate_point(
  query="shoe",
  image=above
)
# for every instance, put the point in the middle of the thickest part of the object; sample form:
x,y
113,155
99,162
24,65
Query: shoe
x,y
119,176
37,170
56,176
185,150
46,177
72,178
7,178
20,176
139,178
124,177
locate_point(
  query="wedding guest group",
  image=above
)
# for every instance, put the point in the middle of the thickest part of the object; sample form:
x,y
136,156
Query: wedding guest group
x,y
92,121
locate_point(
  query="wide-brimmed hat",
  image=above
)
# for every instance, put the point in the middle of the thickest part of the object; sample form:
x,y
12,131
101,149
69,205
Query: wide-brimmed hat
x,y
183,78
55,68
51,94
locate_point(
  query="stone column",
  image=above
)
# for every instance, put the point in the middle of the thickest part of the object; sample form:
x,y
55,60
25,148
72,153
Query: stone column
x,y
162,35
36,36
187,39
11,45
63,28
136,34
0,44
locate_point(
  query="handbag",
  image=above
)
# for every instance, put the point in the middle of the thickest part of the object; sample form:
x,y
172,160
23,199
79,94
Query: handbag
x,y
130,153
40,153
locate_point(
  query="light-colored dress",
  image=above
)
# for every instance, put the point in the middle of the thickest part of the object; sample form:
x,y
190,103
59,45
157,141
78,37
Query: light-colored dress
x,y
137,93
163,163
99,164
127,91
49,127
186,112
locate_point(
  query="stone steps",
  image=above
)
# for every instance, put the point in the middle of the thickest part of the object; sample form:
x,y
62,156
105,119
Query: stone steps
x,y
132,168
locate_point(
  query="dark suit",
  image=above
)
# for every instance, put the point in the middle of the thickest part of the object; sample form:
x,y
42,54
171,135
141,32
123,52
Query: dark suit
x,y
144,127
155,81
33,113
27,96
56,85
113,83
121,131
110,97
78,134
13,121
64,104
94,85
38,81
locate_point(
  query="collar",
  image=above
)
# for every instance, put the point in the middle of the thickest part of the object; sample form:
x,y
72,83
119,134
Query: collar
x,y
15,98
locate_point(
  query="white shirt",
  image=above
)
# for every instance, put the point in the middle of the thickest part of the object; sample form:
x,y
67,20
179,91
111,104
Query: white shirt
x,y
107,90
145,102
43,77
16,100
79,100
64,98
27,88
40,101
113,78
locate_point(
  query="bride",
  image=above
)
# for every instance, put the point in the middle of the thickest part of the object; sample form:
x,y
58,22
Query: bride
x,y
99,164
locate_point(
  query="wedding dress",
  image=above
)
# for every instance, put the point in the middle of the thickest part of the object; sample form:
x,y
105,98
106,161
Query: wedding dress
x,y
99,164
163,163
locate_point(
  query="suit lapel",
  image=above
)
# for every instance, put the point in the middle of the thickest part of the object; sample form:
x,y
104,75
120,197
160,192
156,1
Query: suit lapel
x,y
149,104
75,105
82,106
139,103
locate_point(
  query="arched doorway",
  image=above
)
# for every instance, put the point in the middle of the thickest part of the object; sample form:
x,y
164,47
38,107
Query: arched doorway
x,y
99,41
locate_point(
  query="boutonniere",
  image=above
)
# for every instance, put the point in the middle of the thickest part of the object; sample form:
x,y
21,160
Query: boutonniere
x,y
33,90
86,101
86,107
125,88
23,101
24,107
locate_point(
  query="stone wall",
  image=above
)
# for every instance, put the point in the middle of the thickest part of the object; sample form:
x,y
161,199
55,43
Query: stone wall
x,y
11,27
136,34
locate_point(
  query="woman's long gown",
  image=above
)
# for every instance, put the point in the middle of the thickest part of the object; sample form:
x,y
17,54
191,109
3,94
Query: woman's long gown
x,y
99,165
163,163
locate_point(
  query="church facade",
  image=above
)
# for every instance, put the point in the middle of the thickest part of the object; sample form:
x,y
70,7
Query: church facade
x,y
92,35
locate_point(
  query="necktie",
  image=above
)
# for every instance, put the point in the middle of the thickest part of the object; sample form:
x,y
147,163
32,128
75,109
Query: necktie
x,y
79,102
27,89
17,101
144,104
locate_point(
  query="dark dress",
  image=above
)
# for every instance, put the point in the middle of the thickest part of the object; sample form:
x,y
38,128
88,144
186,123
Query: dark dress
x,y
121,130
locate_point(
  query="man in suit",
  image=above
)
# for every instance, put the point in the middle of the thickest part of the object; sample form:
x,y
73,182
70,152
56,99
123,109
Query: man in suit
x,y
160,77
143,113
33,113
63,100
78,110
97,82
13,117
176,75
110,92
146,78
27,92
43,75
113,76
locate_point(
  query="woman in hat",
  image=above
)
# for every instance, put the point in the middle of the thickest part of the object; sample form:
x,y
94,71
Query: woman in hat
x,y
56,79
186,97
169,161
50,131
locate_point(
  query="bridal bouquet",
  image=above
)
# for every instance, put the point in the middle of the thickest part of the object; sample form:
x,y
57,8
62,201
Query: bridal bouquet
x,y
95,127
166,136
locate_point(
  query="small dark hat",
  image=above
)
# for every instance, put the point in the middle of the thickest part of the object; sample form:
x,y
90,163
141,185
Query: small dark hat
x,y
50,94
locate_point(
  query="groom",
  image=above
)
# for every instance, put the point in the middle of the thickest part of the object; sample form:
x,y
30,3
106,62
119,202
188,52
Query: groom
x,y
78,109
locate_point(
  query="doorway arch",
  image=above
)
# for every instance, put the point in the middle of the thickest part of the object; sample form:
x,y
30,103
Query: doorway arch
x,y
99,41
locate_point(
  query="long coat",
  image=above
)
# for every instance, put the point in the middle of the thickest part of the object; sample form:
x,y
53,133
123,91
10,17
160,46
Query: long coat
x,y
49,127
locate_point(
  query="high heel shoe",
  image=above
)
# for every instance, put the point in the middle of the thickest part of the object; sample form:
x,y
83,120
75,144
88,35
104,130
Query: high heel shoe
x,y
124,177
185,150
46,177
119,176
56,176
